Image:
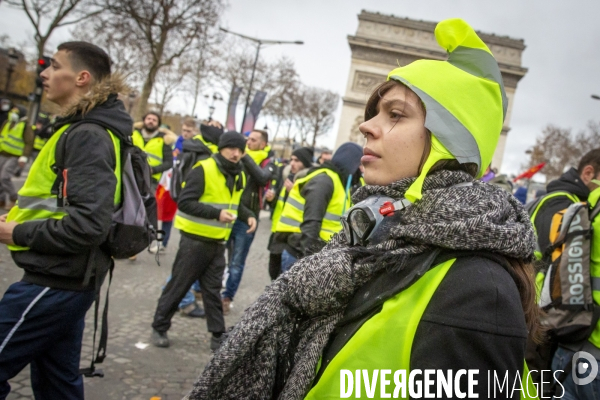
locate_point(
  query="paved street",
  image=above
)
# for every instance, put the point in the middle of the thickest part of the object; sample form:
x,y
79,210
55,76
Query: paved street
x,y
134,369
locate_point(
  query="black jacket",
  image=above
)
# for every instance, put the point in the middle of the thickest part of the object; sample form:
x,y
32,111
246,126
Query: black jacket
x,y
257,177
569,182
318,193
61,251
474,321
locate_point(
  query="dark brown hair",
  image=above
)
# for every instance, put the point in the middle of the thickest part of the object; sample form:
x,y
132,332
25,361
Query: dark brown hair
x,y
590,158
88,56
523,273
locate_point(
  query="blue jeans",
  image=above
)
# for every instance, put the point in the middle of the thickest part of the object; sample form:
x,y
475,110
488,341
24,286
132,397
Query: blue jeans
x,y
239,243
43,327
591,391
166,226
189,296
287,260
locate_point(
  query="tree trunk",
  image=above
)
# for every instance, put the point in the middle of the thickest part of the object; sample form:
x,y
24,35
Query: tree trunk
x,y
146,91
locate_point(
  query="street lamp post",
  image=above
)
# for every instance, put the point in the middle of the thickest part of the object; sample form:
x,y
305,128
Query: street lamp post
x,y
259,43
211,108
13,58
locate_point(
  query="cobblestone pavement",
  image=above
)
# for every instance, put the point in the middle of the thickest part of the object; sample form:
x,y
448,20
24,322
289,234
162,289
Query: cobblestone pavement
x,y
134,369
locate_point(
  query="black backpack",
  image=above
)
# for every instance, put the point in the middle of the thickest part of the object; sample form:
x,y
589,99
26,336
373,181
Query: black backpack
x,y
134,222
182,167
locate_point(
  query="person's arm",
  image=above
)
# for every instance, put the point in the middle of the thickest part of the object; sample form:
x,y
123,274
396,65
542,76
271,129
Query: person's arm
x,y
474,321
260,175
317,194
167,162
244,213
190,195
90,186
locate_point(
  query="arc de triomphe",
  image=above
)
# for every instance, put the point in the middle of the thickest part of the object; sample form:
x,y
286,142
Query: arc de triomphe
x,y
383,42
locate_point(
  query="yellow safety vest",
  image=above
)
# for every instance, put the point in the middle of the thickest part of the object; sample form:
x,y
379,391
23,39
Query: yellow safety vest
x,y
215,194
384,342
36,201
11,140
292,215
211,146
153,149
278,209
258,155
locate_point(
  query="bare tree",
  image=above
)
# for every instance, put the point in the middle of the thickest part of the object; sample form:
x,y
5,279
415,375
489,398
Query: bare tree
x,y
159,31
559,148
279,79
314,110
168,83
48,15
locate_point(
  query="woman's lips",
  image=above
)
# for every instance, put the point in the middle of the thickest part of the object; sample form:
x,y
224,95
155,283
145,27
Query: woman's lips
x,y
369,156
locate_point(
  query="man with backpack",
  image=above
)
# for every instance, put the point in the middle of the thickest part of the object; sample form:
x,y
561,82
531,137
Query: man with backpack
x,y
565,220
60,247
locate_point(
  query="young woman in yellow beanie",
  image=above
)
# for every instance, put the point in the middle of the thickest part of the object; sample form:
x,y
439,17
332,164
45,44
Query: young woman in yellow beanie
x,y
428,291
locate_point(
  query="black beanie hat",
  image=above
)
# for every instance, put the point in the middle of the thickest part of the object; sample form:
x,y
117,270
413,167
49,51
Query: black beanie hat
x,y
305,154
232,139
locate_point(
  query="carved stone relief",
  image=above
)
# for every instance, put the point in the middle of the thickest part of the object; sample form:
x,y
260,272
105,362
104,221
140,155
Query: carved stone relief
x,y
365,81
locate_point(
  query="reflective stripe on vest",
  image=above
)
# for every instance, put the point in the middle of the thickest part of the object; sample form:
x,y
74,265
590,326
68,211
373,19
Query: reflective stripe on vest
x,y
11,140
538,252
217,195
36,201
278,209
292,215
384,342
153,149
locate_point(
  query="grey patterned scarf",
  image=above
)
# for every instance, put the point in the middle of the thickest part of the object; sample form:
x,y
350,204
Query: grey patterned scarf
x,y
272,353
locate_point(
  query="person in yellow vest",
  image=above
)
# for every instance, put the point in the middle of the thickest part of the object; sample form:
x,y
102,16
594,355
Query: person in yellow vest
x,y
43,131
259,169
11,154
59,246
581,184
311,214
207,208
300,162
151,139
429,289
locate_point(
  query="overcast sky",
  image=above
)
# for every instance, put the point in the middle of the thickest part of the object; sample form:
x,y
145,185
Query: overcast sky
x,y
562,54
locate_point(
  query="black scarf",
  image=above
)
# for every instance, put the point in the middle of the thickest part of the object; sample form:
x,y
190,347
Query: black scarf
x,y
231,171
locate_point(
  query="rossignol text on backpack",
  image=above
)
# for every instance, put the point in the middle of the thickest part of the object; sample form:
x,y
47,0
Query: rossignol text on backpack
x,y
134,221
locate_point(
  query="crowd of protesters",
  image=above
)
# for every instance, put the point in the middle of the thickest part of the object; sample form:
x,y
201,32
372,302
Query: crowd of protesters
x,y
407,254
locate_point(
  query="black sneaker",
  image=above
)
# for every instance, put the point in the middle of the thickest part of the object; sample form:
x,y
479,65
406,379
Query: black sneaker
x,y
160,339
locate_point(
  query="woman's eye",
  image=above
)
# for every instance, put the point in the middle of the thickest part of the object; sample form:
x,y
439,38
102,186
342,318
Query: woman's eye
x,y
395,116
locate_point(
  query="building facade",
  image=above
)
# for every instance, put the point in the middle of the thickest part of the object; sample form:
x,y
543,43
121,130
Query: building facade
x,y
384,42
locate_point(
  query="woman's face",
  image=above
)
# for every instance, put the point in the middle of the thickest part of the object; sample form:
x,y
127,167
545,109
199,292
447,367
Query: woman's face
x,y
395,138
